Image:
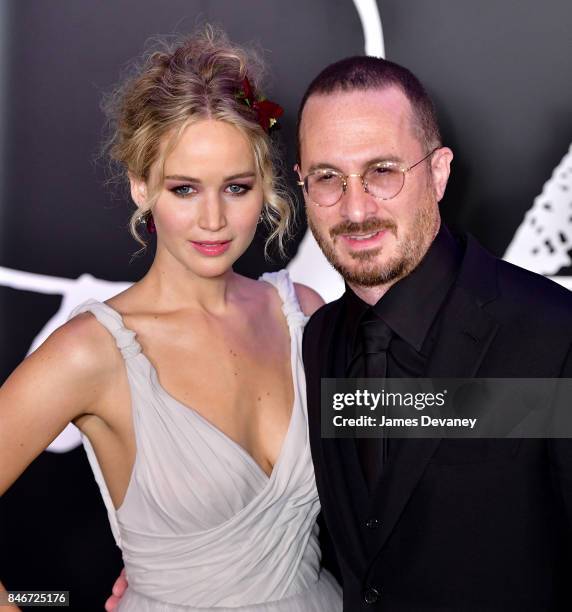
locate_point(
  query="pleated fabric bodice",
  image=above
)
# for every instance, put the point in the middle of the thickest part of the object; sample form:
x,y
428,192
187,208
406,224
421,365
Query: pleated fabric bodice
x,y
202,526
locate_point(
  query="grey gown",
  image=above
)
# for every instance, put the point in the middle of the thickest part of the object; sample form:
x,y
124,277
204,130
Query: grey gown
x,y
202,526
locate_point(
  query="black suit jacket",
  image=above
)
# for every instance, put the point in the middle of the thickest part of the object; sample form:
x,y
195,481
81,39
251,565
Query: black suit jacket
x,y
458,525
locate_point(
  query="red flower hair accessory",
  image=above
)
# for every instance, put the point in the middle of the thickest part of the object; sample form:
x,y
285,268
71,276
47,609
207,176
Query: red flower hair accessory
x,y
267,112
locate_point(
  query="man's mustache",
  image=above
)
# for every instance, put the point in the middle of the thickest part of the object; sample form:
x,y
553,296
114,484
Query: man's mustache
x,y
367,227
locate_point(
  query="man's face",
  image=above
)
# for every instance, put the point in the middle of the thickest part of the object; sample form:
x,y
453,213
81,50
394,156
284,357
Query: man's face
x,y
371,241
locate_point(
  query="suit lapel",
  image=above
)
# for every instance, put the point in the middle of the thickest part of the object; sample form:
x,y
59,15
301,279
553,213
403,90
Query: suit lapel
x,y
466,333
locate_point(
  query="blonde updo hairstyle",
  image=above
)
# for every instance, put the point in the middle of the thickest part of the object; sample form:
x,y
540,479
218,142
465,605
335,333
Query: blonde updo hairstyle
x,y
183,83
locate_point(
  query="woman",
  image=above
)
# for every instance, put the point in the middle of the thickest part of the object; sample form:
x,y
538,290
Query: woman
x,y
188,387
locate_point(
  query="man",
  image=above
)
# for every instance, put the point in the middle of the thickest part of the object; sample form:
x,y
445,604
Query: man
x,y
436,525
425,524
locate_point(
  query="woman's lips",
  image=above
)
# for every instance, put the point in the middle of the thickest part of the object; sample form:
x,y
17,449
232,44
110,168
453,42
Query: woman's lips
x,y
211,248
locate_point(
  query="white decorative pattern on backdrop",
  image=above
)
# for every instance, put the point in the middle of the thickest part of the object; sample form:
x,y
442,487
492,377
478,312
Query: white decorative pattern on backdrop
x,y
543,241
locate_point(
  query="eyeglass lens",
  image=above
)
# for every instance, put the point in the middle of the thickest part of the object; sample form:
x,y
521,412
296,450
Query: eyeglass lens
x,y
326,188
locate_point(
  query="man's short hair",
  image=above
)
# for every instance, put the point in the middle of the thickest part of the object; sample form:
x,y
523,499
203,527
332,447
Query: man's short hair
x,y
363,72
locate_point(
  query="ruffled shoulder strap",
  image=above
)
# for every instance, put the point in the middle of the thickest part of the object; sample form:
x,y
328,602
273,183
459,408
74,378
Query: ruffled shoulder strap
x,y
112,321
290,306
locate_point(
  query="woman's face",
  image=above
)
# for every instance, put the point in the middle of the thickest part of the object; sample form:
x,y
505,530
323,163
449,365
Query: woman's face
x,y
210,199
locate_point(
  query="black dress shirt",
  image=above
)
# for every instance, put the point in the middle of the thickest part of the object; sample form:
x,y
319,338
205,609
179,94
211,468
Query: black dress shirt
x,y
410,308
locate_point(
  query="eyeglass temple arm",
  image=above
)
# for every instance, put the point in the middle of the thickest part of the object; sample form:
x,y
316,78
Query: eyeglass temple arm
x,y
422,160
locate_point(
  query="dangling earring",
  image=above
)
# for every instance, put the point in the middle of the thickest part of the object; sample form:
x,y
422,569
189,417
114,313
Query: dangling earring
x,y
147,219
261,218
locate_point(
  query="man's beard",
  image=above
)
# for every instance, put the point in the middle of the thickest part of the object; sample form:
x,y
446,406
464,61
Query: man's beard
x,y
411,247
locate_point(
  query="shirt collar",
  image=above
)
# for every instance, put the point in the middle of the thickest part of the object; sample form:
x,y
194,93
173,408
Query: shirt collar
x,y
411,305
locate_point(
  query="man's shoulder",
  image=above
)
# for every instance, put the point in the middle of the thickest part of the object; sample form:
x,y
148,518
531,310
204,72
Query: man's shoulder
x,y
530,286
323,316
523,291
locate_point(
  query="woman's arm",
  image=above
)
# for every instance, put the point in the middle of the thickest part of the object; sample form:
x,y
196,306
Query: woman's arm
x,y
62,380
5,608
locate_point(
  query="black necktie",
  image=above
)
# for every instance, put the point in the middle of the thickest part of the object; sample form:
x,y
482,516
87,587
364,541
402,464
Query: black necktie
x,y
372,363
376,336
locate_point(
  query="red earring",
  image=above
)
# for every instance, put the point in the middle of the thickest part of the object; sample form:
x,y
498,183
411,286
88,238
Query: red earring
x,y
147,219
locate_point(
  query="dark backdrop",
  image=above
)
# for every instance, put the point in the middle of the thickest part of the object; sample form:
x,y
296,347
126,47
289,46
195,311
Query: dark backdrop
x,y
500,75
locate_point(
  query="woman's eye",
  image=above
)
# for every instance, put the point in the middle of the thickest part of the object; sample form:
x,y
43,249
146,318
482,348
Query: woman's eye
x,y
183,190
236,189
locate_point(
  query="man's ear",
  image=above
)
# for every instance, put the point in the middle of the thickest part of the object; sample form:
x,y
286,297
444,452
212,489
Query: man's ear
x,y
440,170
138,190
297,170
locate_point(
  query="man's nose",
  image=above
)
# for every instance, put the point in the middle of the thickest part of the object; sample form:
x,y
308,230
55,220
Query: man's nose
x,y
356,204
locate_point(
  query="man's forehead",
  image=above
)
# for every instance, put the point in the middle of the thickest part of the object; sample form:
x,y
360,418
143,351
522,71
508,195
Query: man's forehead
x,y
389,98
355,120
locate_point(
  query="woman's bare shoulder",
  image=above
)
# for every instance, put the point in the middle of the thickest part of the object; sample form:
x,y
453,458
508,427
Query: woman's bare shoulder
x,y
309,299
128,300
63,380
81,345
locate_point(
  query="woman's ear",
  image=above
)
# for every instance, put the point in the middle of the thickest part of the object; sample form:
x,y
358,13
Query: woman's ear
x,y
138,190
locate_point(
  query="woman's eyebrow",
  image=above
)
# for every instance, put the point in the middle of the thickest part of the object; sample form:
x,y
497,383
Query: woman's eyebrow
x,y
182,177
248,174
190,179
